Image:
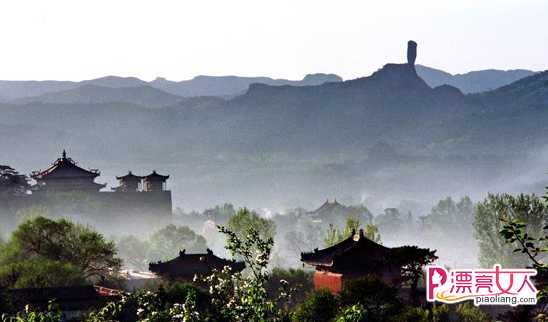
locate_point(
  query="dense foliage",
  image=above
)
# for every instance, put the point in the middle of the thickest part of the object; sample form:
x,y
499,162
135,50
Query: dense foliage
x,y
491,215
163,244
42,252
335,236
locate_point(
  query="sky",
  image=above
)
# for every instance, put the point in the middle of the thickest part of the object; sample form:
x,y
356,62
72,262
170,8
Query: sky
x,y
180,39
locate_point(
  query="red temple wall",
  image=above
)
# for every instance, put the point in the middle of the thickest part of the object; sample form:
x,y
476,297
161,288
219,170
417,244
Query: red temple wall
x,y
331,281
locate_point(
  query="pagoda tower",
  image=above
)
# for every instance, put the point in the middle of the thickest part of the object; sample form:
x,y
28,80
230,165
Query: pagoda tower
x,y
65,175
129,183
154,182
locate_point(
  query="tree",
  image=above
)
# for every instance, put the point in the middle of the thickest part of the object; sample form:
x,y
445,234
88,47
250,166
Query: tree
x,y
239,297
244,220
448,215
40,272
335,236
11,182
166,243
492,213
535,249
62,245
372,232
412,260
390,222
27,213
134,252
220,214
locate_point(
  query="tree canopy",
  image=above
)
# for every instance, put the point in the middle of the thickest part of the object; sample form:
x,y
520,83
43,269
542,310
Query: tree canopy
x,y
245,219
163,244
41,252
492,213
11,182
166,243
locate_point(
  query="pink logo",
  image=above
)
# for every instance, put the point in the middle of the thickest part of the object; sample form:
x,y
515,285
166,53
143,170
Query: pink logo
x,y
484,286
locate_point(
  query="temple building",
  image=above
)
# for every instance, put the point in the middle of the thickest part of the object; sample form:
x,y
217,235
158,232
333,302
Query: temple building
x,y
354,257
335,213
65,175
70,190
129,183
186,266
154,182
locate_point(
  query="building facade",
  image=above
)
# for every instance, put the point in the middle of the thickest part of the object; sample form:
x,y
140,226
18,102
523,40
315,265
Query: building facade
x,y
67,189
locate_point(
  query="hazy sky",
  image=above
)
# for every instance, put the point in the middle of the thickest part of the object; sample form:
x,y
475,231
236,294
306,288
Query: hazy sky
x,y
180,39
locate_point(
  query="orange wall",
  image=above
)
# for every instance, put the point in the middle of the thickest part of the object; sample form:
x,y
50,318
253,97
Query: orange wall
x,y
330,281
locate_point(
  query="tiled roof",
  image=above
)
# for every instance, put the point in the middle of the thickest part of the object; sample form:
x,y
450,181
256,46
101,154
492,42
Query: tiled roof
x,y
355,244
64,167
188,265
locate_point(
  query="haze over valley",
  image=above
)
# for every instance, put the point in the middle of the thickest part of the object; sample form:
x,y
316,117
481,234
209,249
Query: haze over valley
x,y
275,144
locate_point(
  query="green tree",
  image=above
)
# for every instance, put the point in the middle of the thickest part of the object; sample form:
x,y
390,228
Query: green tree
x,y
27,213
244,220
166,243
335,236
244,298
40,272
134,252
66,243
412,260
489,221
372,232
448,215
514,232
11,182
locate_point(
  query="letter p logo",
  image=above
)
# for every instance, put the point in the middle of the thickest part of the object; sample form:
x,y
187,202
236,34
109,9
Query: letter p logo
x,y
435,277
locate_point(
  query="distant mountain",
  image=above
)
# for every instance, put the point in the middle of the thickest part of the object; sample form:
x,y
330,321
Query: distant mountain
x,y
472,82
116,82
278,140
233,85
10,90
223,86
92,94
529,92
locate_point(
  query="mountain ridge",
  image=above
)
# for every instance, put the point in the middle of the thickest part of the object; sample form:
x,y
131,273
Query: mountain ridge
x,y
230,86
473,81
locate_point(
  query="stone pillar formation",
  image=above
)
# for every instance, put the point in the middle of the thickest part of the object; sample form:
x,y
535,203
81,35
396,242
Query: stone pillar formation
x,y
411,52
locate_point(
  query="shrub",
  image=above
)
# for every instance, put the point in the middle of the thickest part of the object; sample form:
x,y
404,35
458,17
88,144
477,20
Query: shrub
x,y
469,313
378,299
319,306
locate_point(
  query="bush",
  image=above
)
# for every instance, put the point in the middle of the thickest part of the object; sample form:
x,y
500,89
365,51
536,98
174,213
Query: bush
x,y
379,300
51,314
469,313
319,306
354,313
299,283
